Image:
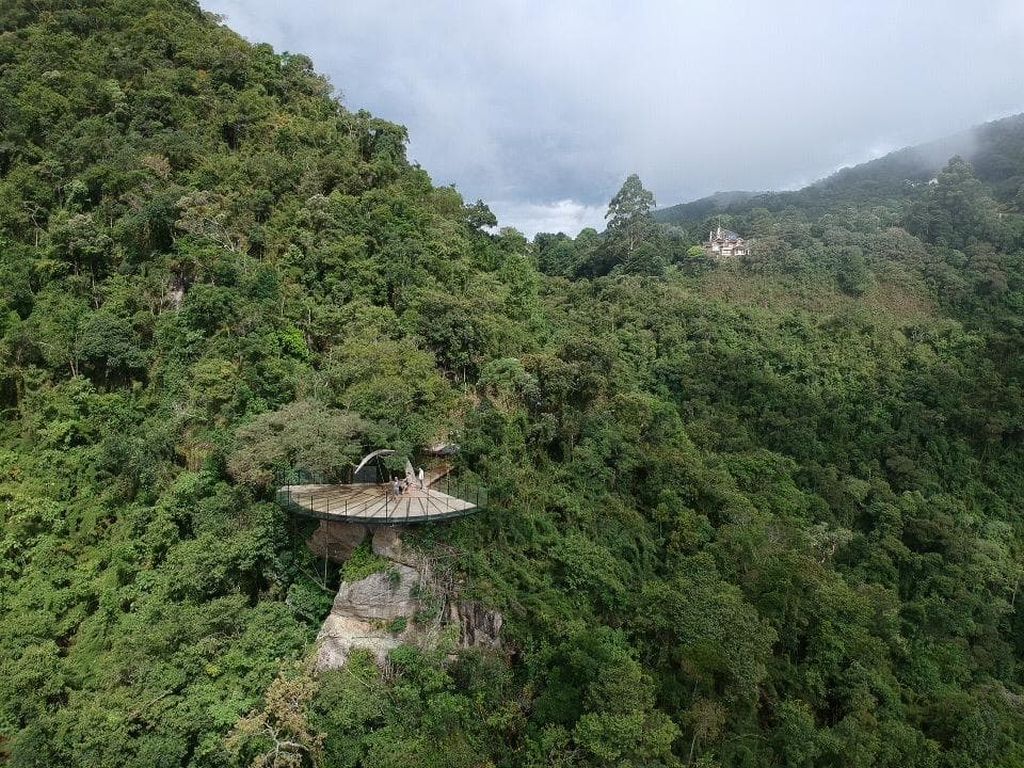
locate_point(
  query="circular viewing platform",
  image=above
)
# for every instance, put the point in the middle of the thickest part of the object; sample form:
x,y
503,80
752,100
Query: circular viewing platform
x,y
440,498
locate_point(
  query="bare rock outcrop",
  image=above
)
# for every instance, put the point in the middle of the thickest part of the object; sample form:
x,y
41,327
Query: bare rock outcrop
x,y
340,635
383,596
337,541
406,603
364,613
478,626
387,542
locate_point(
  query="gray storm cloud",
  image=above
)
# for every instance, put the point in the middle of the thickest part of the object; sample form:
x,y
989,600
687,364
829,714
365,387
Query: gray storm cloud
x,y
542,108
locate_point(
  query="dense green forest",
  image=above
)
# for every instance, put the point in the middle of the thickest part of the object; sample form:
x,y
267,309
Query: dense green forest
x,y
756,513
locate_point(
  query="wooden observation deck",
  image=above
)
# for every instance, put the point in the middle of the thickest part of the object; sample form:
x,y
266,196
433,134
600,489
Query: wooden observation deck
x,y
376,503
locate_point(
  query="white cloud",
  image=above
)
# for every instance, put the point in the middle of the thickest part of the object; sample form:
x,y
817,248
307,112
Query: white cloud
x,y
568,216
528,100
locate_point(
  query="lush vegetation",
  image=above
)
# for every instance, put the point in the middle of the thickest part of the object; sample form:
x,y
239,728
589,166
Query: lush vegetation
x,y
755,514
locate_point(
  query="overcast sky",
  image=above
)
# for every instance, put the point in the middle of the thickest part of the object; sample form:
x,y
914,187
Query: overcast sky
x,y
542,107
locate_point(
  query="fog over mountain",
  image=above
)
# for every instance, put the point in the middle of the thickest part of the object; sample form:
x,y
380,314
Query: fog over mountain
x,y
543,108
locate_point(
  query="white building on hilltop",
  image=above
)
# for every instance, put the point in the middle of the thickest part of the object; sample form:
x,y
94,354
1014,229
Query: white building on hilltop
x,y
725,244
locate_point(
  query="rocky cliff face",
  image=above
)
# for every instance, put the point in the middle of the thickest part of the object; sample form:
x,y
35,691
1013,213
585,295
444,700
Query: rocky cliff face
x,y
337,541
478,626
404,604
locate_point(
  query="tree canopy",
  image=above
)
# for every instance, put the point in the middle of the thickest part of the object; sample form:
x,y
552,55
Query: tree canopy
x,y
757,512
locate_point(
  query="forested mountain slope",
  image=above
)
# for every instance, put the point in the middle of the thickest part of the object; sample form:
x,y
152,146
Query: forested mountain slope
x,y
755,514
996,150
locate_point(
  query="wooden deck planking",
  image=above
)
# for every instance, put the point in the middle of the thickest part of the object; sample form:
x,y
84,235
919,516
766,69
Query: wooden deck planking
x,y
374,503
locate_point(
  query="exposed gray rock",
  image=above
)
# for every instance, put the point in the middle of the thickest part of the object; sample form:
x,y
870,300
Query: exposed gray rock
x,y
337,541
380,596
364,611
340,635
478,626
387,542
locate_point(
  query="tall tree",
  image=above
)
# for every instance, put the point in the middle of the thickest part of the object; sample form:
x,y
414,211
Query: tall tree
x,y
629,216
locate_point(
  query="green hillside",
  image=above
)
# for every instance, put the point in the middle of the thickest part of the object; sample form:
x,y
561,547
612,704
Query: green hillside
x,y
760,513
995,150
697,210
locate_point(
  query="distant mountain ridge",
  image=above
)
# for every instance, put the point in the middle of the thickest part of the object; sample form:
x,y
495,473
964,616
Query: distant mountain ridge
x,y
996,149
706,206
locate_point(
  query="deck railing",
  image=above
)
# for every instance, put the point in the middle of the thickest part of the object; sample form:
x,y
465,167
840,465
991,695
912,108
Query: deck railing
x,y
299,493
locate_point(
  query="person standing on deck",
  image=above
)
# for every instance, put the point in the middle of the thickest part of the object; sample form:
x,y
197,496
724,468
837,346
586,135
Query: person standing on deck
x,y
396,487
420,477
